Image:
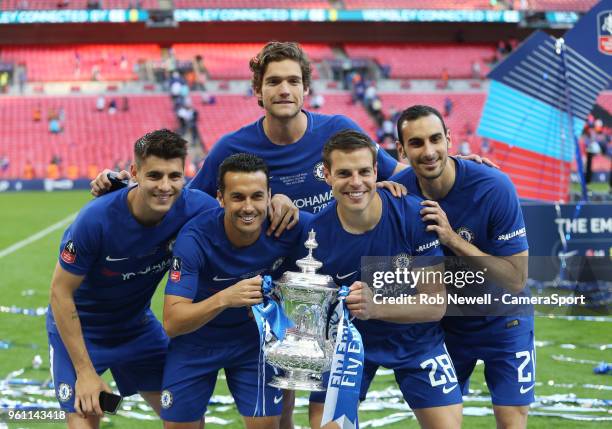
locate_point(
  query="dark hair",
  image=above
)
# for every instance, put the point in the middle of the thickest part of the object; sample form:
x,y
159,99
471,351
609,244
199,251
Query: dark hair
x,y
161,143
241,163
347,141
278,51
416,112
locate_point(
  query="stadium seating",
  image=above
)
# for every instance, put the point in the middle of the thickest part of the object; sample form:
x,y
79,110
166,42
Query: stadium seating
x,y
292,4
231,60
561,5
89,136
417,4
72,4
61,63
410,61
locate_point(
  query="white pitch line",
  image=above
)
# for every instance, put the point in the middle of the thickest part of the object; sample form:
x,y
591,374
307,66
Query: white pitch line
x,y
34,237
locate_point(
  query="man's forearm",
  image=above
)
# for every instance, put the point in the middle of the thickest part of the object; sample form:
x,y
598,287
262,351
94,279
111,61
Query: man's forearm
x,y
184,317
69,327
508,272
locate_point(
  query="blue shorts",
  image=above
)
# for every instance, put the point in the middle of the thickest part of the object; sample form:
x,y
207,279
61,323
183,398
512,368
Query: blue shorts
x,y
191,373
137,363
423,371
509,365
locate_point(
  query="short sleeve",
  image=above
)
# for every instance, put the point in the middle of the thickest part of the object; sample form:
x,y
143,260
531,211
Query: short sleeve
x,y
80,245
508,234
187,261
206,179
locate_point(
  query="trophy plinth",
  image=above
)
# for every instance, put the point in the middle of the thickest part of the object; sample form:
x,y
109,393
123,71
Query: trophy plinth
x,y
306,351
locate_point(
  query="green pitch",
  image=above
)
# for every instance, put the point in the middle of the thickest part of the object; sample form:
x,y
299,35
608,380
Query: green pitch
x,y
26,273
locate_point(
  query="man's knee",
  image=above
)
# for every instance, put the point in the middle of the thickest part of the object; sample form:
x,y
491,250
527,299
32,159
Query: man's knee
x,y
511,417
77,422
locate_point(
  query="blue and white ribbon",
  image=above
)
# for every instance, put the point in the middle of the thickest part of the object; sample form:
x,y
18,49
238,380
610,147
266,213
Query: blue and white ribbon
x,y
270,318
342,398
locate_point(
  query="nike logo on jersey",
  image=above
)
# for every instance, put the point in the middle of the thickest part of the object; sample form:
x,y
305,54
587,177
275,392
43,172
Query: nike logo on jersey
x,y
446,390
109,259
339,277
277,399
525,390
222,279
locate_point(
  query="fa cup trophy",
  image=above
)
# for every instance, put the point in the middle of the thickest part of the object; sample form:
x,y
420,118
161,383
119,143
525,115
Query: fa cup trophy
x,y
306,351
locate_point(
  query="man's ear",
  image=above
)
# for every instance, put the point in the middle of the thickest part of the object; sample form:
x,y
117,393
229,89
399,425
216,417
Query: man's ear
x,y
220,198
327,175
448,138
400,150
134,172
306,92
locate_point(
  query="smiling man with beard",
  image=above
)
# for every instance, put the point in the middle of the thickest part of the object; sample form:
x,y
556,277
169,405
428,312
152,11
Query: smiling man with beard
x,y
476,214
111,260
218,263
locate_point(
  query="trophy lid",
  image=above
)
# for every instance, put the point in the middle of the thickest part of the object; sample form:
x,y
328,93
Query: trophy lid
x,y
309,266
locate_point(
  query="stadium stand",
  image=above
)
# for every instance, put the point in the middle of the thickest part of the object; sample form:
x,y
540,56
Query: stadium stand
x,y
560,5
416,4
292,4
423,60
231,60
72,4
78,62
88,137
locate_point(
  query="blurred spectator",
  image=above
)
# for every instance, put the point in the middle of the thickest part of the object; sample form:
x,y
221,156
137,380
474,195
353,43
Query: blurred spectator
x,y
317,101
22,78
376,109
464,148
209,99
37,114
63,4
72,172
125,104
100,103
444,78
4,80
135,4
476,70
485,146
386,134
370,94
92,171
448,107
4,164
93,4
28,171
54,126
112,107
53,171
61,114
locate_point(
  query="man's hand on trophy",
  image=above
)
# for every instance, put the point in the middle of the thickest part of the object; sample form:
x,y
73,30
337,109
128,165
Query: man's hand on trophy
x,y
360,301
244,293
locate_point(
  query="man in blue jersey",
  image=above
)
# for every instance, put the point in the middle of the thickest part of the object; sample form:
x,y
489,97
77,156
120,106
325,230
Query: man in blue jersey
x,y
406,337
218,263
111,259
287,137
476,213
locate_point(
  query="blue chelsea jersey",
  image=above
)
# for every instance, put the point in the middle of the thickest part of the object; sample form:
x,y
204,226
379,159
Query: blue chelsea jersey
x,y
296,170
206,262
483,208
399,235
122,261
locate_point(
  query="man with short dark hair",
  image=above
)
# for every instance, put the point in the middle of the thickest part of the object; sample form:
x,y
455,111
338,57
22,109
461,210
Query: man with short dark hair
x,y
476,214
111,259
362,222
219,260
